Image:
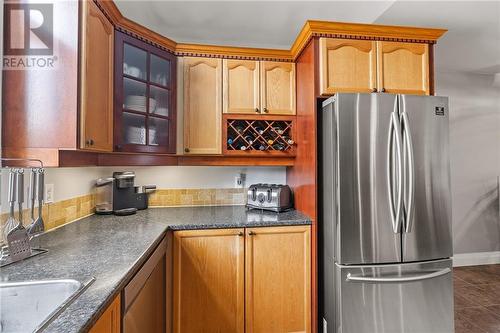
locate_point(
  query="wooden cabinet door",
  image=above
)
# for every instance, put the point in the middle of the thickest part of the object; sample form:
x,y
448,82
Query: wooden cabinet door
x,y
403,68
202,105
240,81
109,322
278,279
96,73
209,281
277,87
347,65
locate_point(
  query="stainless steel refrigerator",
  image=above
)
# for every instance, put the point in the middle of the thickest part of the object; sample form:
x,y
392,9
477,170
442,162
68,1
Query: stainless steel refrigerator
x,y
385,214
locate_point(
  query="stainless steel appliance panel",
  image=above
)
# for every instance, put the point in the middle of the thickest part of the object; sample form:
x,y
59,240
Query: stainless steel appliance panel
x,y
427,225
403,298
366,230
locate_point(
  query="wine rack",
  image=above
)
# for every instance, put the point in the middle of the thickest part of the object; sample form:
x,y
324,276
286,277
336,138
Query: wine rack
x,y
262,135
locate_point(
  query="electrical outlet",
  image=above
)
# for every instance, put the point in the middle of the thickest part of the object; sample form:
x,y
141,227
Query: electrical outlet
x,y
49,193
239,180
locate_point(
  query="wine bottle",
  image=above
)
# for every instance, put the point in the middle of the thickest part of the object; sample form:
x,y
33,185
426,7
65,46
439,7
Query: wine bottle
x,y
239,128
288,140
243,147
278,146
230,141
259,146
278,130
259,130
249,138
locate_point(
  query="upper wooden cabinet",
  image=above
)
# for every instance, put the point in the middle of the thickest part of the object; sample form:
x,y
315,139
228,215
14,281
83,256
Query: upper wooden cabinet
x,y
403,68
264,87
348,65
202,105
209,281
96,79
277,87
277,278
241,86
369,66
110,320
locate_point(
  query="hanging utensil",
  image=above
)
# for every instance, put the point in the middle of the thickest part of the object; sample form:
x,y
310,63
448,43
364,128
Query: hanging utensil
x,y
17,238
38,225
11,222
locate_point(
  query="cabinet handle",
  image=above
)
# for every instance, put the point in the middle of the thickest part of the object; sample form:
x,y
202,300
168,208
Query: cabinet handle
x,y
257,110
241,234
374,90
118,147
266,110
186,150
251,233
382,90
89,142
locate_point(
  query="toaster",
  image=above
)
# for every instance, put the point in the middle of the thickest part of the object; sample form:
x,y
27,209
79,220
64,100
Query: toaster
x,y
276,198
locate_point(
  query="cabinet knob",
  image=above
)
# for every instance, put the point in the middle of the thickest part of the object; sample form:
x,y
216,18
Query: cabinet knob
x,y
241,234
89,142
257,110
382,90
374,90
118,147
186,150
251,233
266,110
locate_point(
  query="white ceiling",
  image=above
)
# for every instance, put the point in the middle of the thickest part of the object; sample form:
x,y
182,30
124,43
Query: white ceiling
x,y
472,43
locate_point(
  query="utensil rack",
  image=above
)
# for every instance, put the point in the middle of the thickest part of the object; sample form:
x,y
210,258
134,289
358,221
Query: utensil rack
x,y
259,135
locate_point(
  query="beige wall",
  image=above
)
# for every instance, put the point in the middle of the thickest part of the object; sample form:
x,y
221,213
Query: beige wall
x,y
474,159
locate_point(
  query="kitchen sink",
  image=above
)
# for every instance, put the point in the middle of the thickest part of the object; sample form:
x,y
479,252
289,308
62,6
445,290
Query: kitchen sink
x,y
29,306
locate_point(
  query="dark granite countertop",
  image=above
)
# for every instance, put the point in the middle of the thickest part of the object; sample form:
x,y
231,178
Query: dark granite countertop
x,y
112,248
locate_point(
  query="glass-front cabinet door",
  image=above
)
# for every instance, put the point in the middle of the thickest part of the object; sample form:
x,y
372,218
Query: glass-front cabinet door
x,y
144,97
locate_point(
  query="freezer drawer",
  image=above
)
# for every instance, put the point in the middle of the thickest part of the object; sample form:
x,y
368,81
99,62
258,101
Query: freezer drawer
x,y
405,298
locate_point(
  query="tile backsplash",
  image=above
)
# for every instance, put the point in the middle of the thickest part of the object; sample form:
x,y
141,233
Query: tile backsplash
x,y
66,211
197,197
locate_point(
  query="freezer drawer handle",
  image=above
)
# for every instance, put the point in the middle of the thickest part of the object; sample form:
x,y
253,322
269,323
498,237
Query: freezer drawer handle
x,y
352,278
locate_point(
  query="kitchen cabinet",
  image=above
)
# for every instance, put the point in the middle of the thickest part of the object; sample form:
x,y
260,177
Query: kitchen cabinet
x,y
277,277
145,97
109,322
403,68
236,280
348,65
277,87
209,280
262,87
241,86
202,105
96,79
144,297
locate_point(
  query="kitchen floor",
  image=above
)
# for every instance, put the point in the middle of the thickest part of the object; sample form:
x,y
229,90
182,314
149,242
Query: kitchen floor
x,y
477,299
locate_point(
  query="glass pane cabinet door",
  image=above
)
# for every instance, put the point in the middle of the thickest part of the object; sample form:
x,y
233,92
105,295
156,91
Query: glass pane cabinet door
x,y
160,71
145,102
134,61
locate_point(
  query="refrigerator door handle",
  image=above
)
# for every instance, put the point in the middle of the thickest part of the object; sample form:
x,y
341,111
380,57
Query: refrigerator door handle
x,y
411,172
413,278
395,130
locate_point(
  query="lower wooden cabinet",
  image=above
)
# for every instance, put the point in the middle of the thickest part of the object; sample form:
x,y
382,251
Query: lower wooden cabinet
x,y
242,280
278,279
209,280
109,322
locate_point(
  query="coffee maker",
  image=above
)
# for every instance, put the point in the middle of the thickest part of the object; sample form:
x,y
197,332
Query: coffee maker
x,y
118,194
